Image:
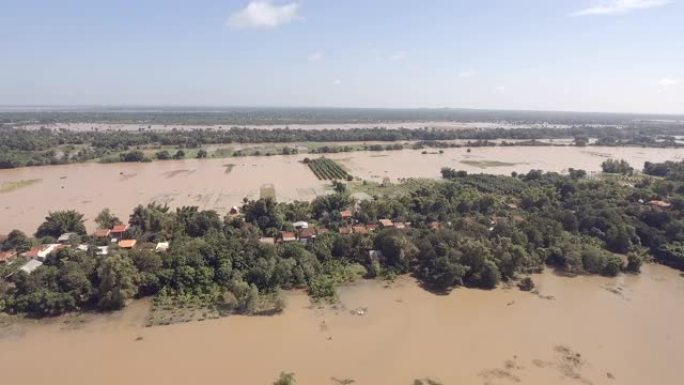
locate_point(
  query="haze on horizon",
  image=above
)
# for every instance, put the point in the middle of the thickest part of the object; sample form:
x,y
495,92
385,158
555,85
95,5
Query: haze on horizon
x,y
571,55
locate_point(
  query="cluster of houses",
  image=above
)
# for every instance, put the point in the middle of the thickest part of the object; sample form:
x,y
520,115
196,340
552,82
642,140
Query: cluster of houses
x,y
117,235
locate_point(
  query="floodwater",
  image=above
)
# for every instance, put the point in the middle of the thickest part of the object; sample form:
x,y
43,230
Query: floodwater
x,y
584,330
207,183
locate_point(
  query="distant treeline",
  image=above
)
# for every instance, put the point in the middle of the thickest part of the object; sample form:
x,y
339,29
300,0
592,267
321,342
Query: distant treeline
x,y
21,147
248,116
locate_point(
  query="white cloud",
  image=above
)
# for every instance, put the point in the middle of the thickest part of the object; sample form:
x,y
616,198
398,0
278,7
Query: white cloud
x,y
612,7
263,14
668,82
466,74
315,56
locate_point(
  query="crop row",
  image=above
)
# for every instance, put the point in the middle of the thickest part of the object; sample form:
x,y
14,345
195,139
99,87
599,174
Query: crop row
x,y
326,169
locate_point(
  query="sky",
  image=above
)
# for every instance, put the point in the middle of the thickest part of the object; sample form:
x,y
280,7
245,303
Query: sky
x,y
573,55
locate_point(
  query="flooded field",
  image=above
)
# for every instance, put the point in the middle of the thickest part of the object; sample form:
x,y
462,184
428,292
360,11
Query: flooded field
x,y
583,330
27,194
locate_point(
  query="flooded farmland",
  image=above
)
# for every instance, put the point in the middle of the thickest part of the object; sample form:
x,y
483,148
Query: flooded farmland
x,y
29,193
582,330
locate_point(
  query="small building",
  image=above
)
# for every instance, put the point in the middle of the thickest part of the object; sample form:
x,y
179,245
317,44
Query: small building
x,y
64,238
82,247
102,250
118,231
345,230
162,246
307,234
300,225
658,204
30,266
7,256
267,240
360,229
40,252
127,243
400,225
287,236
385,223
372,227
434,225
102,233
346,214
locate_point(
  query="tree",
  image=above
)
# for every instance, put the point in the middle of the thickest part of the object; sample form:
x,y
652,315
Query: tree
x,y
133,156
118,279
180,154
106,220
616,167
201,154
60,222
285,379
16,240
163,155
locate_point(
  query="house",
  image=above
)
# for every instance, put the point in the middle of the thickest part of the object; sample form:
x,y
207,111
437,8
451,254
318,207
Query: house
x,y
385,223
345,230
287,236
64,238
127,243
41,252
307,234
7,256
658,204
267,240
346,214
400,225
102,250
30,266
372,227
102,233
162,246
300,225
118,231
360,229
82,247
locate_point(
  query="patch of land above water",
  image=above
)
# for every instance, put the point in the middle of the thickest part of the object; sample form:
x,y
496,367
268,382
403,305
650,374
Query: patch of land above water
x,y
585,335
91,187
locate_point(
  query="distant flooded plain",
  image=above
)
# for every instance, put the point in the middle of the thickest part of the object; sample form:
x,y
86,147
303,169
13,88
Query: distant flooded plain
x,y
27,194
583,330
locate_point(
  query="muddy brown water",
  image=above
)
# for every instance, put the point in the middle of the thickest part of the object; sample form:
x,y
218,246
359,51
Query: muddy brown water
x,y
582,330
91,187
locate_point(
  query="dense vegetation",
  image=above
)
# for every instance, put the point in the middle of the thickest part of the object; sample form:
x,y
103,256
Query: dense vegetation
x,y
470,230
327,169
20,147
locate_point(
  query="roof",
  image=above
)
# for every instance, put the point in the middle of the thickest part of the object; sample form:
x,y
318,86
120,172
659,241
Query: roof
x,y
162,246
7,256
346,214
386,223
301,224
345,230
102,233
30,266
657,203
288,236
41,251
307,233
372,227
65,237
360,229
33,252
127,243
400,225
102,250
267,240
119,228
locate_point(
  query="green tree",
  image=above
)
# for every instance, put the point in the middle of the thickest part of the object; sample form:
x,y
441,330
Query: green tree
x,y
60,222
106,220
285,379
16,240
118,279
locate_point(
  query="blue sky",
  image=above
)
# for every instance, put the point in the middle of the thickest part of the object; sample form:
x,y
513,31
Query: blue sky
x,y
585,55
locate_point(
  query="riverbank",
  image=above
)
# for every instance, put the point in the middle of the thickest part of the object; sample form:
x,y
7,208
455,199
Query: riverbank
x,y
594,330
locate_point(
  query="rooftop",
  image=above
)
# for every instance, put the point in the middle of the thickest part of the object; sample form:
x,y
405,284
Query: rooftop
x,y
119,228
30,266
127,243
102,233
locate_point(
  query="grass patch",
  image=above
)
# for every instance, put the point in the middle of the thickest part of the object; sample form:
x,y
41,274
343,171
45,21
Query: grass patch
x,y
392,190
488,163
16,185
